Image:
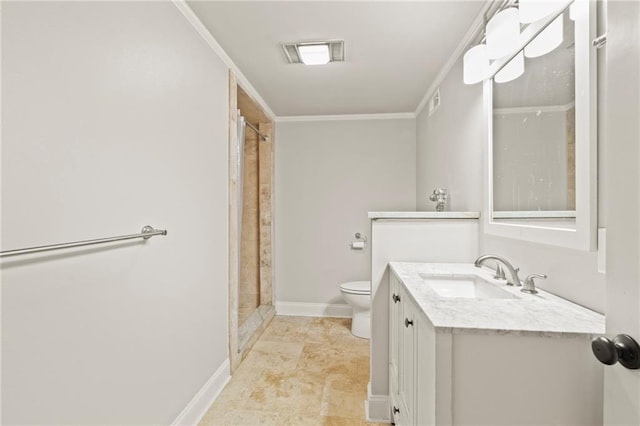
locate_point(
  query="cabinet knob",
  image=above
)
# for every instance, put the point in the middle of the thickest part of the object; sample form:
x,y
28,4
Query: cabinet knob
x,y
408,322
396,298
621,348
396,410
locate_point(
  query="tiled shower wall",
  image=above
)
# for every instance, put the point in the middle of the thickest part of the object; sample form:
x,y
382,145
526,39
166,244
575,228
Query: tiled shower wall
x,y
249,285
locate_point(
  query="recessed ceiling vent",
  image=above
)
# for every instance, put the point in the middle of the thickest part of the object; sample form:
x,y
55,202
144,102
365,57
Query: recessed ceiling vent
x,y
314,52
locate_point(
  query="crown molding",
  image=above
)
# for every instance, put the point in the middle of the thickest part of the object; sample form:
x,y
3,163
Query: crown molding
x,y
346,117
197,24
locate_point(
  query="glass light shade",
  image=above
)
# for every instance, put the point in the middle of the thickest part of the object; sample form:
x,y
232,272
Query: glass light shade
x,y
511,71
577,11
546,41
503,33
534,10
314,54
476,64
572,12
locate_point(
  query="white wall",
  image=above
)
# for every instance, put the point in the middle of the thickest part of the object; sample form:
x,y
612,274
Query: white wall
x,y
114,117
329,174
450,147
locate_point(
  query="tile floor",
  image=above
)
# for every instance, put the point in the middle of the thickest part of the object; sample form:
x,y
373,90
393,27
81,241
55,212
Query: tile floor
x,y
302,371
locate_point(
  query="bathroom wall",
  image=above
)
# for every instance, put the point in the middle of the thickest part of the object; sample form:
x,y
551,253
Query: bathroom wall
x,y
114,116
249,280
329,175
451,149
449,146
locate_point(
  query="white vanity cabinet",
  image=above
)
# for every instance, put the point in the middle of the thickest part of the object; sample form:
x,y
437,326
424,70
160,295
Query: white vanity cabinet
x,y
462,376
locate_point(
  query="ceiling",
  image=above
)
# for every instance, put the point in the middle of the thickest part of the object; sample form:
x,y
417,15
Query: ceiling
x,y
393,50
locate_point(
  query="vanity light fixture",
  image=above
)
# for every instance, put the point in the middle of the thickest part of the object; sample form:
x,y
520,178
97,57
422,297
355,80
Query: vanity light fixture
x,y
503,33
502,36
546,41
314,53
534,10
475,63
511,71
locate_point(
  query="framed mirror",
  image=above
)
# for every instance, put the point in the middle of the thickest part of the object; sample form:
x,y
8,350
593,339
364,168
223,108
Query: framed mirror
x,y
541,162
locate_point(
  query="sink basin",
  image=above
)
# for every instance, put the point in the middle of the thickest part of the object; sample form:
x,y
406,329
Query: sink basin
x,y
465,286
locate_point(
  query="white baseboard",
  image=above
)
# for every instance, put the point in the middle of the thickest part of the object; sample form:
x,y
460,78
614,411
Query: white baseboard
x,y
377,409
300,309
198,406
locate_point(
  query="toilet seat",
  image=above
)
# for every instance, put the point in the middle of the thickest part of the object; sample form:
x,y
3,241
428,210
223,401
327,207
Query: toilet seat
x,y
356,287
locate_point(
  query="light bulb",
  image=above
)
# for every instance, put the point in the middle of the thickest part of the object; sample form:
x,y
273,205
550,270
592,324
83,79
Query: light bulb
x,y
475,64
546,41
314,54
503,33
534,10
511,71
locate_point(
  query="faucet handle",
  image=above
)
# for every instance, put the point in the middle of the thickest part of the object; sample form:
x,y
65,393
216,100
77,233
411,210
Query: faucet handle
x,y
499,273
529,285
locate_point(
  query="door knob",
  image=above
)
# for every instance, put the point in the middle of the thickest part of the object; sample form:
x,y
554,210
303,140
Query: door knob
x,y
622,348
408,322
395,298
396,410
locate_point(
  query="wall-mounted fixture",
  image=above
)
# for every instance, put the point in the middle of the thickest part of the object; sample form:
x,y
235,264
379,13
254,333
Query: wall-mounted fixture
x,y
359,243
547,40
434,102
439,196
511,71
314,52
476,64
503,34
534,10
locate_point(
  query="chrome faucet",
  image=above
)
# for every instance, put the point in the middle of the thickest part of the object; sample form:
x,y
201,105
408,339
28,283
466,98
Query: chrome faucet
x,y
514,279
529,286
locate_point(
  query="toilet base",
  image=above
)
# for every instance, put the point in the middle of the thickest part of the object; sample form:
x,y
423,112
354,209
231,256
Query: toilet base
x,y
361,324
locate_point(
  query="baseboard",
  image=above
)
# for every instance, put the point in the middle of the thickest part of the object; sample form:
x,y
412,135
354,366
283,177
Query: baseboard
x,y
198,406
377,408
300,309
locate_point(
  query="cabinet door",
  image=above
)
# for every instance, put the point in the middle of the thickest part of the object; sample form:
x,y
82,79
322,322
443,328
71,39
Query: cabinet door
x,y
407,361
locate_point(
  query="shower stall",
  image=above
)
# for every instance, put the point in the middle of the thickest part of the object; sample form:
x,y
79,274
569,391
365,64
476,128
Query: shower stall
x,y
251,301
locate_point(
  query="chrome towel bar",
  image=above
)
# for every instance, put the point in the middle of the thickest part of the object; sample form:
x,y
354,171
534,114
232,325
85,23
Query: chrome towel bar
x,y
255,129
146,233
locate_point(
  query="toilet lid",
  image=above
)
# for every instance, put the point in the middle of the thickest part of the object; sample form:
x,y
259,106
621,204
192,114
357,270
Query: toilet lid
x,y
356,287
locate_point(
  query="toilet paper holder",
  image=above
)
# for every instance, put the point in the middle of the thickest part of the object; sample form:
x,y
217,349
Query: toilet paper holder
x,y
359,243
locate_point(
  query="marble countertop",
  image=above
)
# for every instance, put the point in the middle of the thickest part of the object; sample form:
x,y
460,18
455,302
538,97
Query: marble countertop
x,y
424,215
528,314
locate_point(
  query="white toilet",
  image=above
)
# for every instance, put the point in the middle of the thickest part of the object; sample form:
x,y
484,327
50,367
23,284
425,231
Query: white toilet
x,y
358,295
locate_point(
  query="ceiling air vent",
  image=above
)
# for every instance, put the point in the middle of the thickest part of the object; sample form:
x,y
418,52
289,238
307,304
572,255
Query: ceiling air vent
x,y
314,52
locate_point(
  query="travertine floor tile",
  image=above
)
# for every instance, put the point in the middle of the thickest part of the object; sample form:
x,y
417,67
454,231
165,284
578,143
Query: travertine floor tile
x,y
280,355
233,417
302,371
343,396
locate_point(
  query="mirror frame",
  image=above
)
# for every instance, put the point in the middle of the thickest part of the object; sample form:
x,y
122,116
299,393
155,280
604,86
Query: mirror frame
x,y
583,235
